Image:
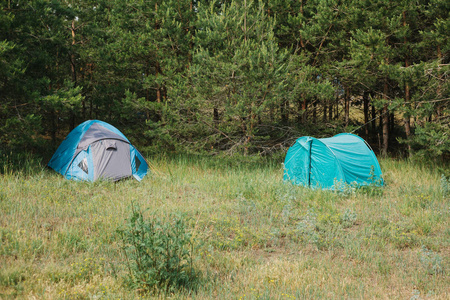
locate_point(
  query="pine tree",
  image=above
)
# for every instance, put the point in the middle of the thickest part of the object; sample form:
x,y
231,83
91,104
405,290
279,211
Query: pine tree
x,y
238,72
43,93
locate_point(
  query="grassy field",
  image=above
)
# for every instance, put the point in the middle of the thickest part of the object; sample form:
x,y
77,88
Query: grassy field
x,y
255,237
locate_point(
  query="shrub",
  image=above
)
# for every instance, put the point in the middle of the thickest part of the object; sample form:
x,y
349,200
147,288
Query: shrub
x,y
158,253
431,262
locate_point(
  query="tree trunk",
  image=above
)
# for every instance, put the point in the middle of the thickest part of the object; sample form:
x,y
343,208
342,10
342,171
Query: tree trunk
x,y
53,118
325,105
366,114
391,122
216,115
315,112
158,87
439,87
347,106
374,122
157,66
249,133
380,123
336,115
330,111
72,56
284,112
74,72
385,118
406,116
303,116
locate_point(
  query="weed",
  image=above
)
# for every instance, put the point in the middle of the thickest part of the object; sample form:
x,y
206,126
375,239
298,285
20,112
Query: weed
x,y
373,188
9,245
345,189
403,235
416,295
306,228
12,278
431,261
320,230
159,253
348,218
86,269
230,234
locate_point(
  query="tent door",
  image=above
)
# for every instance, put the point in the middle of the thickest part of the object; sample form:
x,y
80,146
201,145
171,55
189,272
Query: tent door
x,y
111,159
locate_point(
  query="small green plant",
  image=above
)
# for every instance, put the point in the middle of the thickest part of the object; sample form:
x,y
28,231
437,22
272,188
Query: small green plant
x,y
348,218
318,230
342,188
372,189
403,235
432,262
86,269
9,245
14,280
416,295
307,227
158,252
375,186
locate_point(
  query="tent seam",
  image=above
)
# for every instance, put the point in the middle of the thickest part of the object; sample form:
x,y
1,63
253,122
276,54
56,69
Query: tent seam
x,y
309,168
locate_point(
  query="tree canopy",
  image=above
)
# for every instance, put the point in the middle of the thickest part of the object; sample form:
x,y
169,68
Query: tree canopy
x,y
227,76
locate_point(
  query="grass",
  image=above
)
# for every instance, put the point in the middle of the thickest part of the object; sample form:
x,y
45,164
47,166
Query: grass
x,y
256,237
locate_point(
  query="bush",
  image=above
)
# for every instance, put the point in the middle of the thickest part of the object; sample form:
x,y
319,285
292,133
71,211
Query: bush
x,y
158,253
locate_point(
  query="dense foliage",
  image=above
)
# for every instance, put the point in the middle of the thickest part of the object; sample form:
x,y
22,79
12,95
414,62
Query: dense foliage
x,y
237,76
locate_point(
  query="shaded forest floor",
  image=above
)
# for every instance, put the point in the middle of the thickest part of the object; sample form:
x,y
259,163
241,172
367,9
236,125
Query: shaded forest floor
x,y
255,237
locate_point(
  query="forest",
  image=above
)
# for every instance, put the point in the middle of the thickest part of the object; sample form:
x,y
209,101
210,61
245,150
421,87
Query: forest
x,y
246,77
213,93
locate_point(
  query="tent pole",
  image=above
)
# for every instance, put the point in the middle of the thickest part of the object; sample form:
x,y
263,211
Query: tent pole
x,y
309,168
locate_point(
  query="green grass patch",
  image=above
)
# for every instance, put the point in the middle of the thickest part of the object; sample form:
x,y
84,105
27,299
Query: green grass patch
x,y
255,236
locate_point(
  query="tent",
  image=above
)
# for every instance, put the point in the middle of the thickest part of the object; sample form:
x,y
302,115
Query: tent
x,y
330,162
95,149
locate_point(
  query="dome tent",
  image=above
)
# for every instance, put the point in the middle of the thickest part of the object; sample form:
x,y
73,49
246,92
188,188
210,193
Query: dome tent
x,y
328,162
95,149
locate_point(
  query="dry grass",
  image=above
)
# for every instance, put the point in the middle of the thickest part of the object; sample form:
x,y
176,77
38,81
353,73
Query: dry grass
x,y
257,237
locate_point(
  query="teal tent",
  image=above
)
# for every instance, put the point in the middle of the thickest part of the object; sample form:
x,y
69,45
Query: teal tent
x,y
328,163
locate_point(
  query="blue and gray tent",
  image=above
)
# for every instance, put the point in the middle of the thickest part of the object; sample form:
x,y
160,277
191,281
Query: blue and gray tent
x,y
329,162
94,150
